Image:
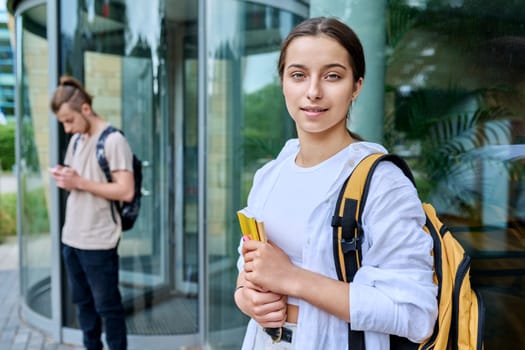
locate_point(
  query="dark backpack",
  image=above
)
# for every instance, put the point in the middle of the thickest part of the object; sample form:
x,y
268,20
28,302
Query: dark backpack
x,y
128,211
461,313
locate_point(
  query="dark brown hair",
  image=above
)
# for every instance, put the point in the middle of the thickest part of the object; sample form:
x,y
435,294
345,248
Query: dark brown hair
x,y
334,29
72,92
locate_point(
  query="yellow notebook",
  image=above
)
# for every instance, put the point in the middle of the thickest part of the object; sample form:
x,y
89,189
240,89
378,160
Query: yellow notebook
x,y
251,227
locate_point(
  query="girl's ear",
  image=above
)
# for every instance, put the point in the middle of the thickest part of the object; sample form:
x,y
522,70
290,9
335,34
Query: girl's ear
x,y
357,88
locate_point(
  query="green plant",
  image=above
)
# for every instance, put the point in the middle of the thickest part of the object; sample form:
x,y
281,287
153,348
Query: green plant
x,y
267,123
454,144
7,215
447,128
28,149
35,217
266,126
7,146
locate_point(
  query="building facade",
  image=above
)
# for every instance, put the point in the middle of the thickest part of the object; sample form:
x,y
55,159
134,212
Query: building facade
x,y
194,86
7,78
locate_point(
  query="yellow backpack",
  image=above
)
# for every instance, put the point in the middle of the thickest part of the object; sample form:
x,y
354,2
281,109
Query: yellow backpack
x,y
461,317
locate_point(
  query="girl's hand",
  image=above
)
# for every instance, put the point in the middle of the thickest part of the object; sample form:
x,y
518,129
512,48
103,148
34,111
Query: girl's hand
x,y
267,266
266,308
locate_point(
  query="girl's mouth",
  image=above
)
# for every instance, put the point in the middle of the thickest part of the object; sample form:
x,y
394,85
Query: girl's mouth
x,y
314,109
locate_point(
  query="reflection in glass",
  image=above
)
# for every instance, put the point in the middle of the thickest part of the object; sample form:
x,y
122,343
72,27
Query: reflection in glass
x,y
33,162
247,125
454,110
120,54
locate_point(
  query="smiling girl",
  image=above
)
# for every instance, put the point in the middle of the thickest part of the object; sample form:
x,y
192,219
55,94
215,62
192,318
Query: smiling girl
x,y
289,285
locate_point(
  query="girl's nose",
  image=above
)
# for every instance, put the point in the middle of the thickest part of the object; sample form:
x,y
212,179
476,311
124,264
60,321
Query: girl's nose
x,y
314,90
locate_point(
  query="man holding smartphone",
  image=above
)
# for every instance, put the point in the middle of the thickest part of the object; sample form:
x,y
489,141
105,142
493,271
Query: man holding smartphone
x,y
92,227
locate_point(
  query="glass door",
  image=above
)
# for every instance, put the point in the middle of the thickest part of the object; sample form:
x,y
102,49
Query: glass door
x,y
144,258
33,159
246,124
119,61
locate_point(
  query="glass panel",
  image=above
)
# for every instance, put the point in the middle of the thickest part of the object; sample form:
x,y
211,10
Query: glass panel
x,y
246,125
454,109
33,162
133,67
182,34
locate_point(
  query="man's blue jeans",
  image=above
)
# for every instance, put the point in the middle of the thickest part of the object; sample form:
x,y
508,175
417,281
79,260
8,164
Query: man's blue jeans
x,y
93,279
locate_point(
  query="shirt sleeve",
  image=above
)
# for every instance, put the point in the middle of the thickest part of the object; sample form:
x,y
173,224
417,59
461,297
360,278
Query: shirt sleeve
x,y
257,191
118,152
393,292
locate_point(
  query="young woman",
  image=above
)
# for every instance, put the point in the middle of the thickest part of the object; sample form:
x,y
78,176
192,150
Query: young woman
x,y
291,281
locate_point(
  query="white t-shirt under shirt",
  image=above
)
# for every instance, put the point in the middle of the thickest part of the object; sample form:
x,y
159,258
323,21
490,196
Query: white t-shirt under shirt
x,y
89,223
286,225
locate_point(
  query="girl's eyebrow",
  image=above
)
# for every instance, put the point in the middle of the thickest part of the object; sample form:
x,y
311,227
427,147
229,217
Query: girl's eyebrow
x,y
295,65
331,65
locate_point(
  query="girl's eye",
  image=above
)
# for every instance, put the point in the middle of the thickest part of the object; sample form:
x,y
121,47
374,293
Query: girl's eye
x,y
297,75
333,76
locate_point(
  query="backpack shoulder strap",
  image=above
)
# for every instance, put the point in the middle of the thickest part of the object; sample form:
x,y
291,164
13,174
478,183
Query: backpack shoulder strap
x,y
103,161
75,142
347,233
101,154
346,220
347,223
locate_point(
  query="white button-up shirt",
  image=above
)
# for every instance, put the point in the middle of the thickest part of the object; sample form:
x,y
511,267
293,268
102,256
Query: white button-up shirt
x,y
393,292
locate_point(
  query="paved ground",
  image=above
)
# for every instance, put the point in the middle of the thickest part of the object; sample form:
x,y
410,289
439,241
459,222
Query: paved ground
x,y
15,334
7,183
